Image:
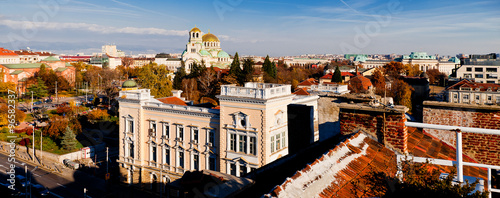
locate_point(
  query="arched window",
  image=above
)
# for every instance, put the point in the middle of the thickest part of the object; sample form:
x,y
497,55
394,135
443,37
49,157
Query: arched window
x,y
197,35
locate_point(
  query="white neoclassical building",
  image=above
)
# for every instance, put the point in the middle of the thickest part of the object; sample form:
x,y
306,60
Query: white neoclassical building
x,y
160,139
204,47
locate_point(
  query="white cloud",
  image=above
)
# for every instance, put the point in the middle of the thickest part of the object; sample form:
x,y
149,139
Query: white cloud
x,y
90,27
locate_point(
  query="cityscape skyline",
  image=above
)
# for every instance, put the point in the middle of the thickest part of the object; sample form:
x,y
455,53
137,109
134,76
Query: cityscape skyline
x,y
254,27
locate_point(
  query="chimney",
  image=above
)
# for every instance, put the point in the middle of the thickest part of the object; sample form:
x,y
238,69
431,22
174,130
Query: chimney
x,y
177,93
387,125
356,74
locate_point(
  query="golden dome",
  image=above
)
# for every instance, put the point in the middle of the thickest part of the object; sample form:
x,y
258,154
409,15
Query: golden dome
x,y
210,38
195,29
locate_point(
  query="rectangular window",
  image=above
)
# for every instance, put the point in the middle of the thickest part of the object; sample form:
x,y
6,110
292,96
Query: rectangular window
x,y
278,146
180,132
466,97
166,130
233,169
196,162
243,170
152,128
467,75
243,144
455,95
232,142
181,159
211,136
131,150
212,163
283,140
195,134
492,82
153,153
253,145
478,69
491,69
492,76
477,97
166,160
468,69
478,75
130,126
489,98
272,144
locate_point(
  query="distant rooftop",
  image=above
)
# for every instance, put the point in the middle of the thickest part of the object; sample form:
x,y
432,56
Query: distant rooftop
x,y
256,90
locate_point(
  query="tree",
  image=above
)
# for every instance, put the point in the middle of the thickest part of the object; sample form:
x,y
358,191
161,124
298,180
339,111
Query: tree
x,y
435,76
401,92
39,89
156,78
69,139
181,74
337,75
197,69
207,81
235,68
269,68
394,69
412,70
378,80
248,70
190,89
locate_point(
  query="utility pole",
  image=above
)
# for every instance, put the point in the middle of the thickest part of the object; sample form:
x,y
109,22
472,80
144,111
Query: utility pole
x,y
31,101
86,90
26,182
107,149
56,93
41,148
33,141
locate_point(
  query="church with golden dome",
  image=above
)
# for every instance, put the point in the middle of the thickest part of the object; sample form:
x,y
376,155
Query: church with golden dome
x,y
204,47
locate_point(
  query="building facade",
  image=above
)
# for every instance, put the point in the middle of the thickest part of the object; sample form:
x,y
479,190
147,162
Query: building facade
x,y
469,92
480,73
427,62
160,140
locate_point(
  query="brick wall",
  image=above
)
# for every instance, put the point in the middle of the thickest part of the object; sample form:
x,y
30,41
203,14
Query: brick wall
x,y
482,148
355,117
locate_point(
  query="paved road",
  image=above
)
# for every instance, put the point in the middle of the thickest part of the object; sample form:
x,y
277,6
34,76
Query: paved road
x,y
68,185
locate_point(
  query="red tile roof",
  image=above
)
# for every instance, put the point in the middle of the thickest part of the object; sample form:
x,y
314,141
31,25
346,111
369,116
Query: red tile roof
x,y
327,76
25,52
222,71
6,52
363,80
335,174
173,100
474,85
309,82
347,74
301,91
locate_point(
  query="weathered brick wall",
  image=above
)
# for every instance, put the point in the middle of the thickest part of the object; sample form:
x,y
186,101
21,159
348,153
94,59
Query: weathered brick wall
x,y
353,118
482,148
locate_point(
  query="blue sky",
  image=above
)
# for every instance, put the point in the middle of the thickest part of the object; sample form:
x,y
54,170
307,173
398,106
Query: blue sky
x,y
276,28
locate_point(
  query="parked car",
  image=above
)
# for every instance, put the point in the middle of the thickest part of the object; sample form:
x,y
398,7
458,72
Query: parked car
x,y
40,190
37,103
48,100
71,164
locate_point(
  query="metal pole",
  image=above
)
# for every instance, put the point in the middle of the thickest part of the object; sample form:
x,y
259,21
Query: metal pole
x,y
489,182
31,101
56,93
26,182
460,165
107,148
33,132
41,147
86,90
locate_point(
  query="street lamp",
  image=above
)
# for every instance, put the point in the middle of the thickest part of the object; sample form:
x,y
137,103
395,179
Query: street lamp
x,y
33,131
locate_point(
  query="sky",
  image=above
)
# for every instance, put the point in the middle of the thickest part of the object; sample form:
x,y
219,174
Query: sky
x,y
276,28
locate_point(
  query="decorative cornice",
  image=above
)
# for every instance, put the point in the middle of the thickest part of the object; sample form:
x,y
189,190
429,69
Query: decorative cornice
x,y
205,115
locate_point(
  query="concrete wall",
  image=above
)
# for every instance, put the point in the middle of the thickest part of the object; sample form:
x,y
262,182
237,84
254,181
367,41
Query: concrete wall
x,y
483,148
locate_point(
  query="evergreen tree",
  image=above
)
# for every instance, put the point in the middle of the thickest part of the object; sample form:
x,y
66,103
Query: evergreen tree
x,y
69,139
235,68
197,69
337,75
39,89
269,68
247,73
181,74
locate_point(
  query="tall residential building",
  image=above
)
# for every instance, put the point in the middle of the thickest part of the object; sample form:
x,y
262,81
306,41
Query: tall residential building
x,y
162,138
112,51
